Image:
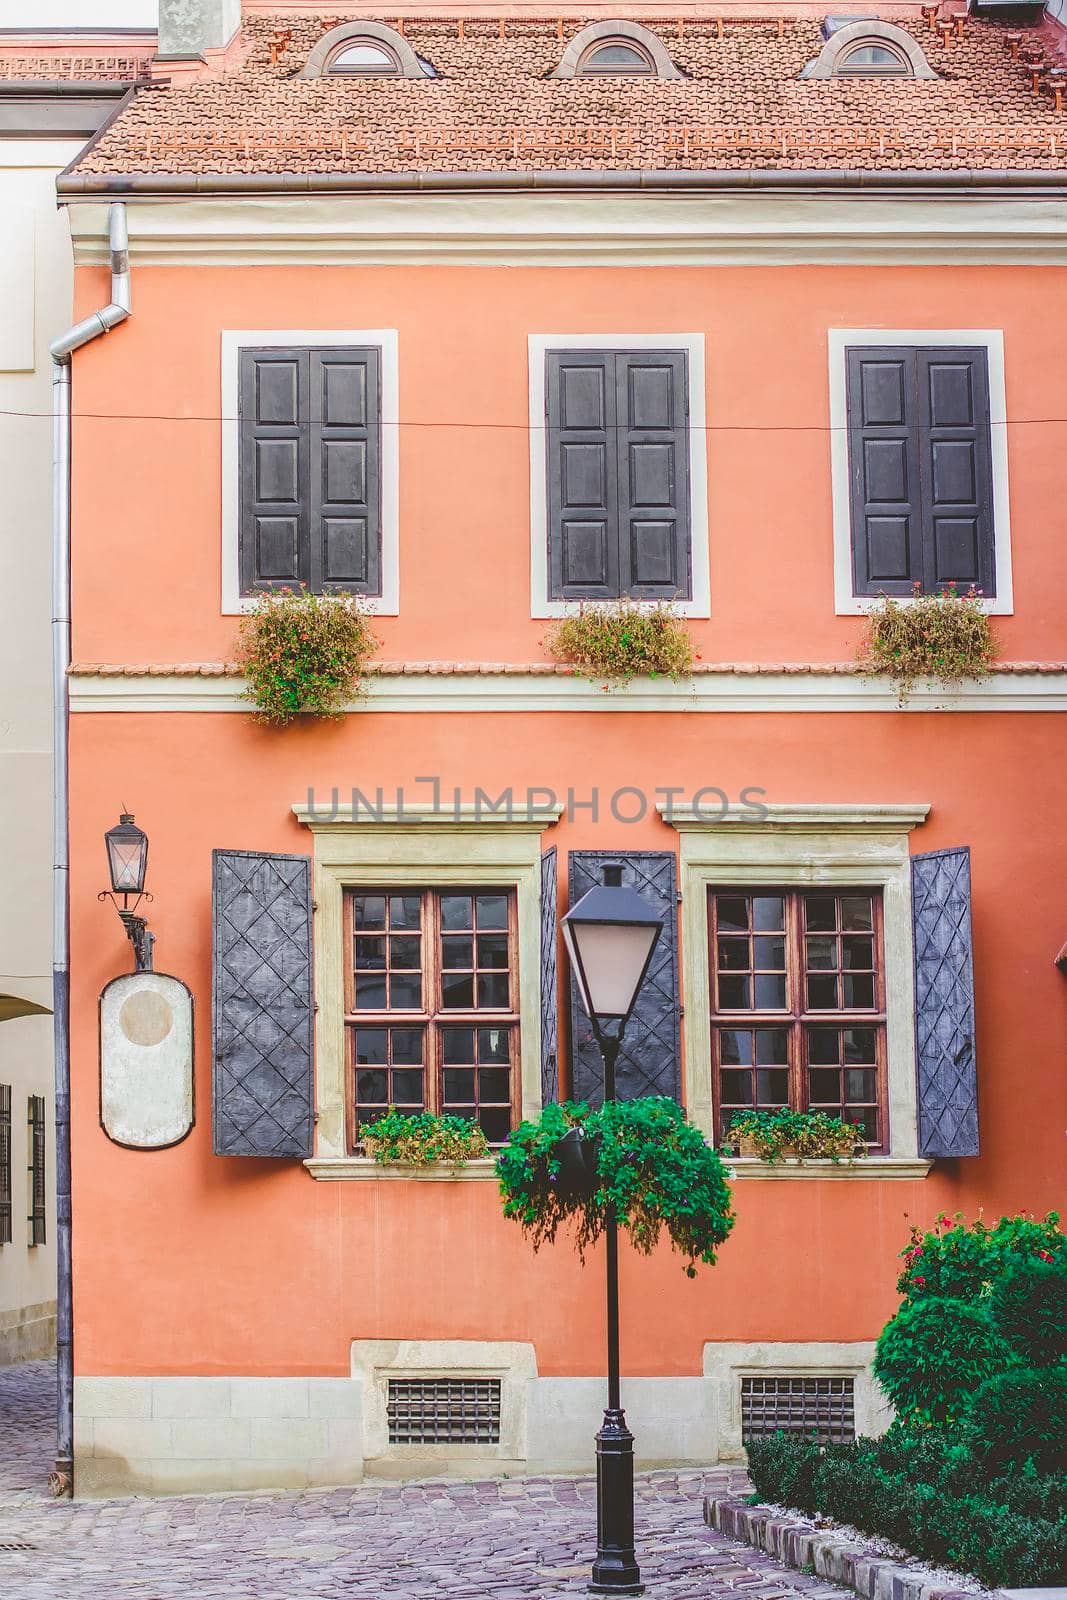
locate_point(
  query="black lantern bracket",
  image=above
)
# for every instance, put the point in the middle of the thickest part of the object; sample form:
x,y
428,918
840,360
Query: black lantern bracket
x,y
137,930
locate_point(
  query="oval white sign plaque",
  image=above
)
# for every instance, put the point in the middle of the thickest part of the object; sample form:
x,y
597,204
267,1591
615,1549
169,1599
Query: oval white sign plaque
x,y
146,1060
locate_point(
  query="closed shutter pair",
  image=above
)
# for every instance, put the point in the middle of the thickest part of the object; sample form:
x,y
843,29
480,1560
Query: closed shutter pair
x,y
310,470
263,1007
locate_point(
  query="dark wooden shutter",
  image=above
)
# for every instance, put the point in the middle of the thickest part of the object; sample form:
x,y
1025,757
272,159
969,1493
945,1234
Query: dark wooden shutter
x,y
957,471
884,454
920,468
37,1218
345,544
944,1003
652,408
549,982
5,1164
262,1091
583,514
649,1061
310,469
274,452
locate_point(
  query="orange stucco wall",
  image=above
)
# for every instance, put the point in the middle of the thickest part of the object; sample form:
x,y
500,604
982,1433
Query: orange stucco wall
x,y
185,1262
147,486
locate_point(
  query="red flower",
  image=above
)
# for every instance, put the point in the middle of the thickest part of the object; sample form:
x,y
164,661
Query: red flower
x,y
1045,1255
918,1282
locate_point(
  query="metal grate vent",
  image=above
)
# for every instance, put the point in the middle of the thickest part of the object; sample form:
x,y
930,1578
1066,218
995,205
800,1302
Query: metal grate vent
x,y
823,1406
444,1410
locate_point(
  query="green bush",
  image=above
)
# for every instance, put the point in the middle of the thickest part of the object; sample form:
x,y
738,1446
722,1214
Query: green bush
x,y
933,1354
1020,1416
621,640
423,1139
783,1468
963,1260
654,1167
1029,1306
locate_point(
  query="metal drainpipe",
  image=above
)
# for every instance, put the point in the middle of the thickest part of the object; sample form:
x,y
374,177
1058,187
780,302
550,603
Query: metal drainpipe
x,y
61,350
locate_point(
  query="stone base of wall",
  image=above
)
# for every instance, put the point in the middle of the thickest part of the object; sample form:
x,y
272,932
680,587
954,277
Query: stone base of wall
x,y
28,1333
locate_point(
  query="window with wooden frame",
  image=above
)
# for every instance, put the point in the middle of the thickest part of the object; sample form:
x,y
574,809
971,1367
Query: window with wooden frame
x,y
38,1199
432,1005
5,1163
798,1004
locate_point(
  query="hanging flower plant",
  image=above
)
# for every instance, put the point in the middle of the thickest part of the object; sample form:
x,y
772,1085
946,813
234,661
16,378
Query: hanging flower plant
x,y
621,640
641,1156
945,637
304,654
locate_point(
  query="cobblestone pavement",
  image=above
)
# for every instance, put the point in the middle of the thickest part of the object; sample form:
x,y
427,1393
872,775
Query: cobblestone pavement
x,y
512,1539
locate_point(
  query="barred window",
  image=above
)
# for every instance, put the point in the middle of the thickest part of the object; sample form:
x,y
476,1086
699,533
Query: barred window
x,y
798,1004
5,1163
36,1169
431,1005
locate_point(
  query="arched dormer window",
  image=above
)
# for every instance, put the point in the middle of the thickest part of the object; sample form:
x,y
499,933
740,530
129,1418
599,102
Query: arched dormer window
x,y
364,50
616,50
870,49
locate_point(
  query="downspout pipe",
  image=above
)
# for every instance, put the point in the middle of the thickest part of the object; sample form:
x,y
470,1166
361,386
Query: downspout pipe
x,y
61,350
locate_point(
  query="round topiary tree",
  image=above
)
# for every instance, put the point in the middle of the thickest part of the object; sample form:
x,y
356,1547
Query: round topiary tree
x,y
1029,1305
1020,1416
934,1354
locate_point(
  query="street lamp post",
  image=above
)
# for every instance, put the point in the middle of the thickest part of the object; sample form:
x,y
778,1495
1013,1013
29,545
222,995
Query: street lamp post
x,y
610,936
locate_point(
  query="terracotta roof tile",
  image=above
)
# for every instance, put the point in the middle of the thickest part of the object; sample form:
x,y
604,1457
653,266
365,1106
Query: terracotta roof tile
x,y
539,669
494,107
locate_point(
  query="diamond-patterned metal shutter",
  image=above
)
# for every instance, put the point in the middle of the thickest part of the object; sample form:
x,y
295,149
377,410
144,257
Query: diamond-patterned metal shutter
x,y
944,1003
549,982
649,1061
262,1095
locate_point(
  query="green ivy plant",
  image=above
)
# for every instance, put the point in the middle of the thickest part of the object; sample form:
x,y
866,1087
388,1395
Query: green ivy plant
x,y
620,640
304,654
423,1139
944,636
653,1166
806,1134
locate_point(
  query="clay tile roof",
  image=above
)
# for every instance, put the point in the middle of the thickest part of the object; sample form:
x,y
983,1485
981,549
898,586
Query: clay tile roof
x,y
43,60
495,108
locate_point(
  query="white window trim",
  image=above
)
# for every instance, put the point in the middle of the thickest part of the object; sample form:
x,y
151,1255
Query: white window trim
x,y
428,850
803,846
387,604
847,604
693,345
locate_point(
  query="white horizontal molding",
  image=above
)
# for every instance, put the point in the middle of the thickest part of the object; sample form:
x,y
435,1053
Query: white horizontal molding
x,y
330,818
348,1169
866,819
579,229
868,1169
435,692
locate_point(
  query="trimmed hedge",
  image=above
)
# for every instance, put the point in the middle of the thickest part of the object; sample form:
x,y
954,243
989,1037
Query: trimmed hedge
x,y
1020,1416
927,1496
1029,1306
933,1355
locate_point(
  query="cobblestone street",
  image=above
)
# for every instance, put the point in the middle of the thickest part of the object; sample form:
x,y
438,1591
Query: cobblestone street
x,y
506,1539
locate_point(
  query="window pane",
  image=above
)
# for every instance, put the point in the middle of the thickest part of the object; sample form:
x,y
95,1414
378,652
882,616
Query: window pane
x,y
492,950
494,1083
493,1044
770,991
856,913
496,1123
822,953
772,1046
616,55
457,953
406,951
459,1085
372,1085
404,910
824,1085
857,953
372,1046
457,1045
370,993
822,994
457,992
731,911
368,911
820,912
456,911
772,1087
370,955
858,992
768,913
492,910
407,1086
493,990
859,1044
734,994
770,954
407,1046
405,991
823,1046
866,1119
733,955
735,1088
735,1047
861,1085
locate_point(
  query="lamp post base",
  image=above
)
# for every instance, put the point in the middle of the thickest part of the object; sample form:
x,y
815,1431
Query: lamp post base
x,y
615,1570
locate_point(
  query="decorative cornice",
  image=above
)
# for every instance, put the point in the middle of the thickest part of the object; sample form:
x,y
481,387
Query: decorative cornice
x,y
871,1169
435,687
342,818
347,1169
867,819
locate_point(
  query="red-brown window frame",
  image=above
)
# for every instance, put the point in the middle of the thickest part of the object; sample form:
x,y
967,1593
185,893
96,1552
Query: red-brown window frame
x,y
795,1018
432,1019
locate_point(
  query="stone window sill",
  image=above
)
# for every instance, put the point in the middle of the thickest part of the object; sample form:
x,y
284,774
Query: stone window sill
x,y
872,1167
346,1169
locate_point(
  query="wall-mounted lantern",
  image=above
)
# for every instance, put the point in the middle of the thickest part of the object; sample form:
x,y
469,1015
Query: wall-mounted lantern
x,y
127,859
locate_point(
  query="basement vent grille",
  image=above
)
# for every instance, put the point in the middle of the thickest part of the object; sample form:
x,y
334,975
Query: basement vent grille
x,y
444,1410
823,1406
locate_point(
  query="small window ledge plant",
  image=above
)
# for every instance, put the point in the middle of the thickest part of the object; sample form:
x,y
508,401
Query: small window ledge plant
x,y
620,640
423,1139
807,1135
945,637
304,654
641,1156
